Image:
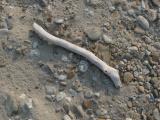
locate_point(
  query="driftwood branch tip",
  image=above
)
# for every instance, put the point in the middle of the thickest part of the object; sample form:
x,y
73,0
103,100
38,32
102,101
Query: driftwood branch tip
x,y
108,70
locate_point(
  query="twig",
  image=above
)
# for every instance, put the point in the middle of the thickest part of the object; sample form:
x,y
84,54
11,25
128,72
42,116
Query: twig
x,y
108,70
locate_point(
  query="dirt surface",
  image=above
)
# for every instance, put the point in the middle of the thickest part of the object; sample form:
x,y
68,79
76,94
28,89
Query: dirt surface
x,y
40,81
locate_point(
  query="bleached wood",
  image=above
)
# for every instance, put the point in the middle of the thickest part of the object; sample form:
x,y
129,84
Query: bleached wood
x,y
108,70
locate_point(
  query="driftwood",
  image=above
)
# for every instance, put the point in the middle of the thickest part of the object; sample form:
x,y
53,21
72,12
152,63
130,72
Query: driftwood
x,y
108,70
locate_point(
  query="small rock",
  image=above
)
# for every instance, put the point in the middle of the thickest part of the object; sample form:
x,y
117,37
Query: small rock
x,y
93,3
94,34
78,110
35,44
157,45
60,96
66,117
9,21
63,83
43,3
143,6
143,22
76,85
155,55
88,94
83,66
129,104
11,105
3,24
73,92
156,2
139,30
26,106
66,106
101,113
50,98
72,116
46,68
128,119
141,89
62,77
148,85
152,15
133,49
35,53
87,104
128,77
131,12
90,104
50,90
97,95
156,114
2,62
107,39
59,21
147,39
64,58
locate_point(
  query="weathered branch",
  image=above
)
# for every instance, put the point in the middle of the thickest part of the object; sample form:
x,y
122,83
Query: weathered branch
x,y
108,70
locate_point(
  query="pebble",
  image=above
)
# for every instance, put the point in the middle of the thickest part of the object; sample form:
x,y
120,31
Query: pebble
x,y
94,34
43,3
3,24
101,113
35,44
78,110
143,22
133,49
141,89
129,104
62,77
88,94
50,90
87,104
9,21
35,53
83,66
107,39
147,39
26,106
156,2
128,77
156,114
143,6
60,96
157,45
66,117
11,105
97,94
64,58
128,119
73,92
93,3
63,83
152,15
50,98
131,12
76,85
59,21
139,30
90,104
3,62
148,85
